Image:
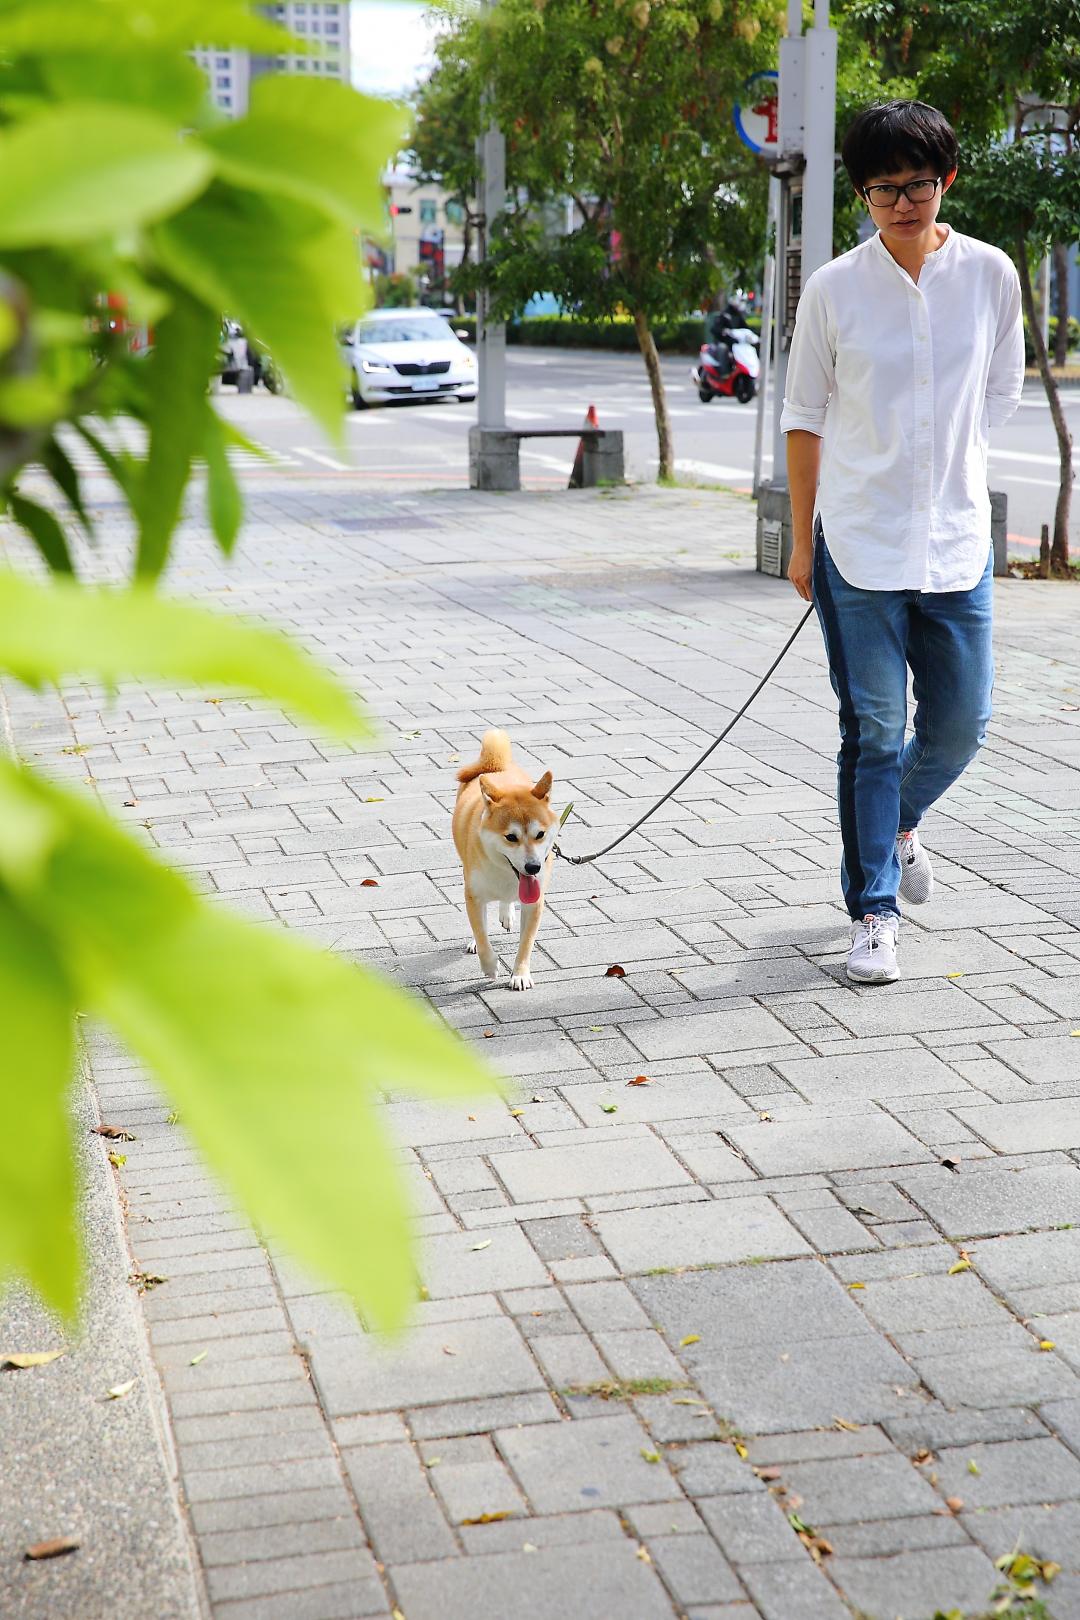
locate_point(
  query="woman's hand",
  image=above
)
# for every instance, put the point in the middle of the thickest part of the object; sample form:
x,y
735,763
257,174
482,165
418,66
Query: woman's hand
x,y
801,568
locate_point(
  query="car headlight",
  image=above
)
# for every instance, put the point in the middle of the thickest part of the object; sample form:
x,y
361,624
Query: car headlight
x,y
469,362
375,365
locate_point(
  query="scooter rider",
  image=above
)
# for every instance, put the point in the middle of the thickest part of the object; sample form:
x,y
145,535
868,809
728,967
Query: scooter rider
x,y
720,326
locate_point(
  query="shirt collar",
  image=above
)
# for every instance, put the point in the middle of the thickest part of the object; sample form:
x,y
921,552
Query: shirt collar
x,y
931,258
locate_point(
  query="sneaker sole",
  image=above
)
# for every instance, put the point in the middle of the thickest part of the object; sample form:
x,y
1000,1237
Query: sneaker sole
x,y
875,976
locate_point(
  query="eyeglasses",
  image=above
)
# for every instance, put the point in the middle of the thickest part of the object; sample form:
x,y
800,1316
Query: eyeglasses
x,y
915,191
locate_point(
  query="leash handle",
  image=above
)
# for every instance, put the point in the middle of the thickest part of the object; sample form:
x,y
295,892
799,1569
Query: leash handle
x,y
585,860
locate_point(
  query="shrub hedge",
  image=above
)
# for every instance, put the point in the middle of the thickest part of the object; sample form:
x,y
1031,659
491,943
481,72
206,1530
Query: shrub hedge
x,y
570,332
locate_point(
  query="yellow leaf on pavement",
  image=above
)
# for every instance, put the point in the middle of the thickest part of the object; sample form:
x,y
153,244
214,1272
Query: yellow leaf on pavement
x,y
29,1358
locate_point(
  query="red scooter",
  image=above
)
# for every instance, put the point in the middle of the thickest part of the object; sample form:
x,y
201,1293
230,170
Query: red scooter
x,y
740,381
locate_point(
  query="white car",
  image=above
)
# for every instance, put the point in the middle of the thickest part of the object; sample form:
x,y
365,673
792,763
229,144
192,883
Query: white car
x,y
406,354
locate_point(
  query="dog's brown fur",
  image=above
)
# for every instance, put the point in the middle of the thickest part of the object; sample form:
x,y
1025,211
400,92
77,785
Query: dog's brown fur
x,y
502,819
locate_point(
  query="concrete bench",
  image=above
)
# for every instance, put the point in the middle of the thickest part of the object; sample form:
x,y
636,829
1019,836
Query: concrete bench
x,y
495,455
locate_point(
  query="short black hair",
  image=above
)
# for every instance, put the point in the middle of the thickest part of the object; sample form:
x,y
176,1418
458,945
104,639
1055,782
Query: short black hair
x,y
893,135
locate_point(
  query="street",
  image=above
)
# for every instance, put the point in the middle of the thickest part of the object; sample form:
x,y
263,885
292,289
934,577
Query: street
x,y
426,445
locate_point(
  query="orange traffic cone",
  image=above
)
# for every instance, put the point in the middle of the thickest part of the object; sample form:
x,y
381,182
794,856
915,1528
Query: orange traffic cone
x,y
577,475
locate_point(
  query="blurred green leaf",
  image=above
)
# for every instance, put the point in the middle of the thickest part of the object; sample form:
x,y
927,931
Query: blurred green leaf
x,y
172,86
44,530
114,27
185,347
81,171
38,1234
58,628
223,499
286,274
275,1052
320,142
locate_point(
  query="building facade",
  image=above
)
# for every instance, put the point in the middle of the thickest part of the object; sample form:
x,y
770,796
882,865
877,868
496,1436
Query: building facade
x,y
323,23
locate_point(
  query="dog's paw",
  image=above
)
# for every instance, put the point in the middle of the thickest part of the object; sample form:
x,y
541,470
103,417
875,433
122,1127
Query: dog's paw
x,y
489,965
521,979
506,915
470,947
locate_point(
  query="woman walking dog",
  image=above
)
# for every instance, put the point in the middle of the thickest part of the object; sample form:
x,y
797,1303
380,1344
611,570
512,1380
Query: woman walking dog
x,y
905,351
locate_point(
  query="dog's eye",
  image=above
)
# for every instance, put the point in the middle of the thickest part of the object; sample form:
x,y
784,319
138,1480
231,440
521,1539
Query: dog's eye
x,y
539,838
511,838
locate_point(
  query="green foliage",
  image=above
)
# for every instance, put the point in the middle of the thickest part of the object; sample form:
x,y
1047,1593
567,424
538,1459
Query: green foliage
x,y
117,177
683,336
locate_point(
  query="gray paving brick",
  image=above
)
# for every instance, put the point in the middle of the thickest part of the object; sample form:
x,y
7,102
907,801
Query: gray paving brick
x,y
592,1582
708,1469
792,1592
455,1361
714,1232
347,1601
593,1167
846,1490
280,1541
258,1512
695,1569
1011,1473
751,1529
481,1416
919,1584
597,1462
268,1577
825,1142
994,1202
480,1261
400,1511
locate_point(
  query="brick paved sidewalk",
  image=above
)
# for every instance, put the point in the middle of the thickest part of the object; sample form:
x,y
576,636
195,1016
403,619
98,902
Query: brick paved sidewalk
x,y
705,1304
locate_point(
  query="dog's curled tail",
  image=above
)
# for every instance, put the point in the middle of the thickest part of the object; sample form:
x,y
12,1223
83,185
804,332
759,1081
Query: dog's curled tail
x,y
495,755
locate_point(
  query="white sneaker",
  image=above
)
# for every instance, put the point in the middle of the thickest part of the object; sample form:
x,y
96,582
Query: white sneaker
x,y
872,957
916,873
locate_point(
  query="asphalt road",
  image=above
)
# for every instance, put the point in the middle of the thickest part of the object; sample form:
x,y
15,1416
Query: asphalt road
x,y
426,444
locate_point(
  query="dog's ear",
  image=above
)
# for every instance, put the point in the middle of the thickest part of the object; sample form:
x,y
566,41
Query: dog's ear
x,y
491,793
543,787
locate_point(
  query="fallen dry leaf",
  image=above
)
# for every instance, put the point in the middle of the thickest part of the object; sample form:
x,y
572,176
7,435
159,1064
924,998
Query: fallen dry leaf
x,y
118,1391
53,1548
954,975
691,1338
650,1456
516,1113
487,1518
29,1358
447,1351
115,1133
528,1546
640,1080
117,1160
973,1467
960,1265
740,1450
856,1285
488,1033
643,1554
1046,1344
954,1503
951,1164
202,1355
609,1108
615,972
369,883
922,1457
771,1472
842,1423
484,1244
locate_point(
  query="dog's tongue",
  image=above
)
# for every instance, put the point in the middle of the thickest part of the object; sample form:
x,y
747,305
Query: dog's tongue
x,y
528,889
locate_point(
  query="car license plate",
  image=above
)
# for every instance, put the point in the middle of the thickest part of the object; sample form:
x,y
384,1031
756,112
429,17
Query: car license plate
x,y
425,383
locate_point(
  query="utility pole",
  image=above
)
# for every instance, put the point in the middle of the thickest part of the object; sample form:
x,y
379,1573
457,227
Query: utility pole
x,y
805,166
492,460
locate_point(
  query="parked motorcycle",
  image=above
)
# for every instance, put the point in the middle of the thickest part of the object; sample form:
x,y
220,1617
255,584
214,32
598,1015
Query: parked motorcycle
x,y
740,380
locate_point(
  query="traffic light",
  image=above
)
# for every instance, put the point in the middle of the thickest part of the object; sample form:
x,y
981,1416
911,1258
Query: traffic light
x,y
400,208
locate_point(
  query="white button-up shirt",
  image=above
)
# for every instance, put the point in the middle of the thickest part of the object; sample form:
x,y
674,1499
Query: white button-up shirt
x,y
902,380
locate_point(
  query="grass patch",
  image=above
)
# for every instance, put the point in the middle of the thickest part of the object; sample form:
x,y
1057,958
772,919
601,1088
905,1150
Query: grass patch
x,y
616,1389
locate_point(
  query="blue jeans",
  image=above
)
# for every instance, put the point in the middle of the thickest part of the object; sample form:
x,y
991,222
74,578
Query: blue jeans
x,y
872,638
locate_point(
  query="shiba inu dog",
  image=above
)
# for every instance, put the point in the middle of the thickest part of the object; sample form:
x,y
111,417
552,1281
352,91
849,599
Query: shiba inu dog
x,y
504,832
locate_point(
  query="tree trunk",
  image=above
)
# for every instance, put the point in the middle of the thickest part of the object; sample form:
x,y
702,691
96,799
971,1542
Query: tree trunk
x,y
651,357
1061,277
1059,550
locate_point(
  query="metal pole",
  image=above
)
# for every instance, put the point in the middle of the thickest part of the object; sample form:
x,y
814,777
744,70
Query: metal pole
x,y
490,334
768,306
819,142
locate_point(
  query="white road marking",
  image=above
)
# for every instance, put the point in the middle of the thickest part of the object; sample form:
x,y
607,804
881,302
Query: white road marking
x,y
713,469
323,461
1026,455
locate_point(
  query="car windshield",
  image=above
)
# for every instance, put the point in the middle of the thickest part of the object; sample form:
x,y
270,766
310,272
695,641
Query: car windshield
x,y
405,330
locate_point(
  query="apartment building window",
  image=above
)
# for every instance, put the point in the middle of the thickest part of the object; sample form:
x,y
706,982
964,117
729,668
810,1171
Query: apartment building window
x,y
316,27
428,212
333,28
221,61
224,82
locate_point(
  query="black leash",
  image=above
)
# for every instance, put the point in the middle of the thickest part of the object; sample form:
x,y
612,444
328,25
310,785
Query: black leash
x,y
583,860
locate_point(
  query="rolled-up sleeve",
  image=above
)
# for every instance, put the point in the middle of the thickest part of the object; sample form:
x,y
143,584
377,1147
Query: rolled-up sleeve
x,y
811,377
1005,379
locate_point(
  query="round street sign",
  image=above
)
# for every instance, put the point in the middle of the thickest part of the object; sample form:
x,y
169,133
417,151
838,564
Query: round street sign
x,y
756,117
